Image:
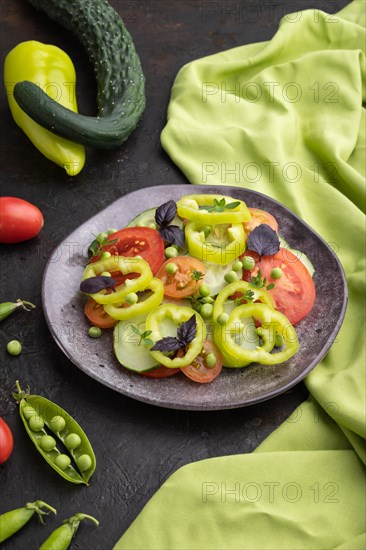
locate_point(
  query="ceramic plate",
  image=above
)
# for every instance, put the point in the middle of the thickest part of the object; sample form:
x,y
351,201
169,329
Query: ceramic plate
x,y
63,306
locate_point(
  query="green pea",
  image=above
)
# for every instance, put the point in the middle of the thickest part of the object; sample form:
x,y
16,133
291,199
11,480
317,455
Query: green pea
x,y
47,443
105,274
95,332
57,423
248,263
206,311
171,252
28,412
237,266
231,277
207,300
102,236
171,268
204,290
132,298
72,441
83,462
210,360
36,423
62,461
111,231
276,273
105,255
278,340
14,347
222,319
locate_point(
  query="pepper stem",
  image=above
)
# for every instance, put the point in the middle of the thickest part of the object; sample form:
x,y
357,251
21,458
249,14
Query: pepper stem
x,y
37,507
24,304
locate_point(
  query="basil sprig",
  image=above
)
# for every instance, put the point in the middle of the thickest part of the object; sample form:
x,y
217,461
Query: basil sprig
x,y
185,334
164,215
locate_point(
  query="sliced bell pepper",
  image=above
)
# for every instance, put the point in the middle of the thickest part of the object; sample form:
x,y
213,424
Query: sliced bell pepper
x,y
272,322
259,295
162,320
220,251
125,266
53,71
123,313
191,208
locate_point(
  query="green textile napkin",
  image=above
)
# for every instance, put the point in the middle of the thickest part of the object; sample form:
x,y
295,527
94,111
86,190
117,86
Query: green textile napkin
x,y
285,118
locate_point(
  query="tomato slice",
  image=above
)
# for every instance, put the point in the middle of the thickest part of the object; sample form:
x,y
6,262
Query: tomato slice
x,y
182,283
137,241
160,372
258,217
294,292
198,371
97,316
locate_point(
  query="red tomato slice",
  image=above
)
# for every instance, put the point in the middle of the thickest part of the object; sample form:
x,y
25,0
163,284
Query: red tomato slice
x,y
137,241
198,371
181,283
258,217
294,292
160,372
97,316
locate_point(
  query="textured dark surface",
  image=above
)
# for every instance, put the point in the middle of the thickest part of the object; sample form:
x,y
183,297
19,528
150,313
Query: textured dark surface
x,y
137,445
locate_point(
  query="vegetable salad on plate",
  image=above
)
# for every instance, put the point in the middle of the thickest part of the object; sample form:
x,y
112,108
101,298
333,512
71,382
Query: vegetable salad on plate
x,y
198,285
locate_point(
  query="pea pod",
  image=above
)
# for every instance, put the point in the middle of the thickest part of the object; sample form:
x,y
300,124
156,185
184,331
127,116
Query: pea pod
x,y
7,308
11,522
38,413
61,538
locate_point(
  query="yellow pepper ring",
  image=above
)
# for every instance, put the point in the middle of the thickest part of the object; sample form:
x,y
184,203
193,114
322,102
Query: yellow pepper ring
x,y
186,208
240,286
272,322
140,308
217,253
125,265
178,315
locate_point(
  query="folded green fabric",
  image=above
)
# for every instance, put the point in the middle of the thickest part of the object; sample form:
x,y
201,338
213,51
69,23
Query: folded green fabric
x,y
285,118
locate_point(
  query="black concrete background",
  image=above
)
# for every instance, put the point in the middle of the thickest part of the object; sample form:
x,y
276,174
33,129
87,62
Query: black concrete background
x,y
137,446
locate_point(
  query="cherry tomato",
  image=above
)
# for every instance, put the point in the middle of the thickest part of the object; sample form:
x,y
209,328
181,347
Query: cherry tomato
x,y
6,441
137,241
97,316
198,370
19,220
185,281
294,292
160,372
258,217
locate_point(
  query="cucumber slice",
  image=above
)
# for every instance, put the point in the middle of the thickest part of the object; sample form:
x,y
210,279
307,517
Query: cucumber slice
x,y
300,255
129,352
215,274
147,219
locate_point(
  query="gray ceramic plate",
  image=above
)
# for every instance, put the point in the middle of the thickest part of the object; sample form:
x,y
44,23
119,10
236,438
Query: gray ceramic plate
x,y
63,307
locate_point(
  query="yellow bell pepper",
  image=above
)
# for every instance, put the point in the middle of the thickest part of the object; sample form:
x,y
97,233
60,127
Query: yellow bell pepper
x,y
122,313
53,71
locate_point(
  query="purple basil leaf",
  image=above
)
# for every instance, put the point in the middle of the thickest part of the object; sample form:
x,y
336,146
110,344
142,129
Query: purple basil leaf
x,y
187,331
169,343
165,213
95,284
172,234
263,240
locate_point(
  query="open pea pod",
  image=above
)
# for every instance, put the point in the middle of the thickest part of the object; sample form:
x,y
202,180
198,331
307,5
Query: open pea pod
x,y
39,413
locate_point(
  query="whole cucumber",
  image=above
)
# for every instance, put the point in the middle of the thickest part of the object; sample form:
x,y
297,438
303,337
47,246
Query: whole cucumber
x,y
120,80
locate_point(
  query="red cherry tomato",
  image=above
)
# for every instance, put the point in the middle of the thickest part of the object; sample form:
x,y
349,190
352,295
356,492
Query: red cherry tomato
x,y
137,241
6,441
258,217
198,370
19,220
294,292
160,372
181,283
